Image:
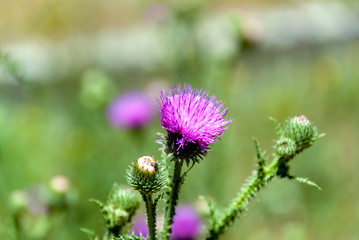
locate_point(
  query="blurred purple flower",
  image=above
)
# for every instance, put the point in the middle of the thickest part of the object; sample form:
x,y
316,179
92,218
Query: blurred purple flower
x,y
193,120
139,226
187,224
131,110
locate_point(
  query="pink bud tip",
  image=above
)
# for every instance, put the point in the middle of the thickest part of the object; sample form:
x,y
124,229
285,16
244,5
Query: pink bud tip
x,y
302,118
148,163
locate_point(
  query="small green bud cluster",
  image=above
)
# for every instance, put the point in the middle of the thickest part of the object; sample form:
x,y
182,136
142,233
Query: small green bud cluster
x,y
295,135
146,175
119,209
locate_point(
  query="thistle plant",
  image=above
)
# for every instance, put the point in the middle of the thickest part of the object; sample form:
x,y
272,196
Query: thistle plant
x,y
147,177
193,122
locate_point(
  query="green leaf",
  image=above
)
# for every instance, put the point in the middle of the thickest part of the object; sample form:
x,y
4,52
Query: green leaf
x,y
159,197
306,181
98,202
212,209
89,233
130,237
262,162
277,125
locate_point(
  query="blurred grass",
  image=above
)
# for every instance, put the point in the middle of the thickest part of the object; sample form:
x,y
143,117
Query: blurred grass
x,y
55,19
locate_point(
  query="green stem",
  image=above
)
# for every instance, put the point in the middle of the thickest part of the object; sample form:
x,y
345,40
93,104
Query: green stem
x,y
18,229
151,215
241,202
173,197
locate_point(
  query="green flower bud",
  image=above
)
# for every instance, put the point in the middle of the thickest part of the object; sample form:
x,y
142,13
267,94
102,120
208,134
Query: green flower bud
x,y
285,147
124,199
146,175
19,200
119,209
302,131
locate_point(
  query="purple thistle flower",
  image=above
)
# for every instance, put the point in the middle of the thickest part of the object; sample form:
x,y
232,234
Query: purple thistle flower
x,y
187,224
131,110
193,120
140,227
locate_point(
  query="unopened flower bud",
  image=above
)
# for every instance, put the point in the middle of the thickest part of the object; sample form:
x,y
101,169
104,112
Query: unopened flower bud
x,y
124,198
146,176
301,131
302,119
60,184
147,165
119,209
285,147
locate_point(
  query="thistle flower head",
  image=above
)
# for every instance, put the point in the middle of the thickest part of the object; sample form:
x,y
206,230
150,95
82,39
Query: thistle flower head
x,y
187,224
139,227
193,120
146,175
131,110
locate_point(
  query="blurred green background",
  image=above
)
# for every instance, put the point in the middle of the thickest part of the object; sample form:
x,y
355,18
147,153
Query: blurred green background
x,y
59,127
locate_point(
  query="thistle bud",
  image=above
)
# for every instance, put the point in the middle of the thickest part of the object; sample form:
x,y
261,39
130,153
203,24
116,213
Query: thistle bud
x,y
124,199
301,131
146,175
19,200
285,147
60,184
147,165
119,209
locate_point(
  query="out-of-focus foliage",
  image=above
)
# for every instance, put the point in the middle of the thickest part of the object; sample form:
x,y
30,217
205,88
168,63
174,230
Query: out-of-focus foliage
x,y
49,129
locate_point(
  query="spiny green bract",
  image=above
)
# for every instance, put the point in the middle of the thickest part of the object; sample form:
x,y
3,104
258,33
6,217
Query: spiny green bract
x,y
146,176
121,205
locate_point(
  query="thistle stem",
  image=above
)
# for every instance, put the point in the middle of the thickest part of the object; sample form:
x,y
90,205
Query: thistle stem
x,y
17,224
241,202
173,197
151,215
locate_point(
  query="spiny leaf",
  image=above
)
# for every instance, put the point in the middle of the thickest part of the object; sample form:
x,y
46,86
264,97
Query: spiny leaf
x,y
277,125
306,181
160,196
185,173
130,237
212,209
98,202
262,162
89,233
